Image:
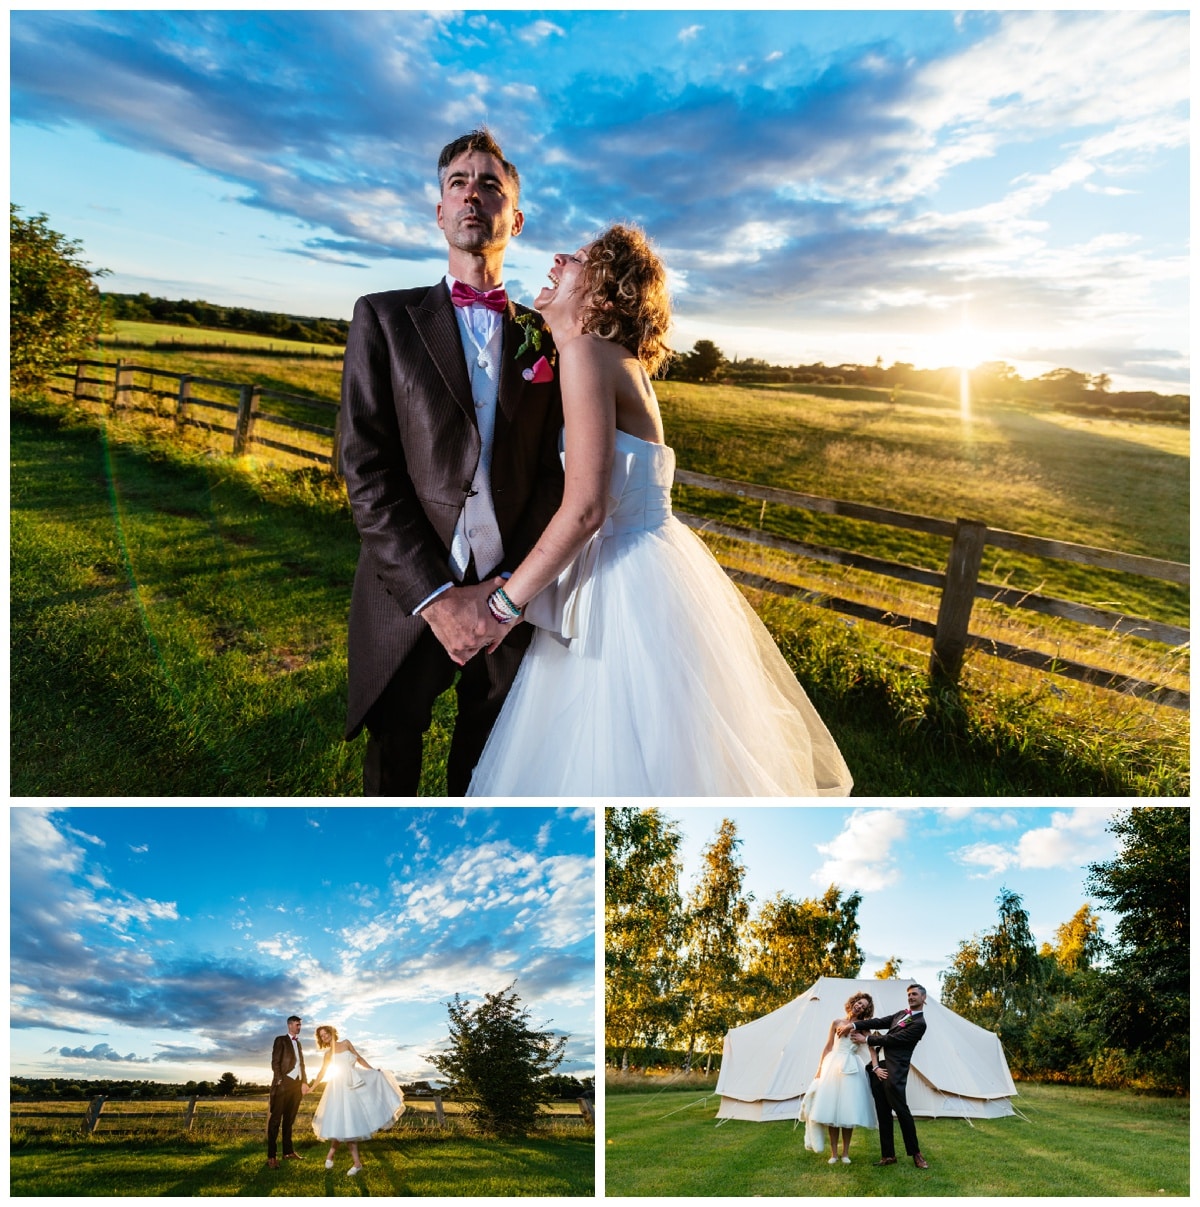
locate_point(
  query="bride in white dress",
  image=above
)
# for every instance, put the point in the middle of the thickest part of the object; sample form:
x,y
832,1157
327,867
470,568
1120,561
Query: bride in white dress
x,y
650,675
356,1102
839,1098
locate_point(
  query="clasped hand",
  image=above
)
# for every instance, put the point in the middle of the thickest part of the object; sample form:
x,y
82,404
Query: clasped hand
x,y
461,621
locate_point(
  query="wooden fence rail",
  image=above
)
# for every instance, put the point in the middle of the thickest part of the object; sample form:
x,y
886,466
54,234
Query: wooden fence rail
x,y
186,1115
959,582
248,412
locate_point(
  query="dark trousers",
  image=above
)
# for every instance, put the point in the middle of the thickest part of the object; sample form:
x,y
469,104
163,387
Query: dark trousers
x,y
285,1103
890,1096
398,720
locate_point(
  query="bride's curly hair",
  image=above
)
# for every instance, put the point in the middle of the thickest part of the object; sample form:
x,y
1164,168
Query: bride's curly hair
x,y
625,291
860,997
330,1031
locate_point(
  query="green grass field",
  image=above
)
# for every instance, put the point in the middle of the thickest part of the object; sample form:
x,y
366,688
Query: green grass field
x,y
402,1163
178,618
131,331
1073,1142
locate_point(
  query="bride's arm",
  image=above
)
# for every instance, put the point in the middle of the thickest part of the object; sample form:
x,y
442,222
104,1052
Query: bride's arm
x,y
324,1066
587,375
353,1049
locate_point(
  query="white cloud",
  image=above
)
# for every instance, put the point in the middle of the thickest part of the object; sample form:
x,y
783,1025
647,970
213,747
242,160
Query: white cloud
x,y
860,857
1072,839
689,33
539,31
989,856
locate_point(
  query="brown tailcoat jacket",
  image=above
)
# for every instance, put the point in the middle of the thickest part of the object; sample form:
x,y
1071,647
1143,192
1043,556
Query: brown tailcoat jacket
x,y
410,446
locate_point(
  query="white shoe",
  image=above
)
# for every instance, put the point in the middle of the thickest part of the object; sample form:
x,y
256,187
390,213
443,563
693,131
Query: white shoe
x,y
353,1170
832,1161
845,1160
328,1164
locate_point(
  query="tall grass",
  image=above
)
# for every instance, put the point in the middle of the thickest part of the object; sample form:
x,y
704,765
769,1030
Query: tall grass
x,y
178,620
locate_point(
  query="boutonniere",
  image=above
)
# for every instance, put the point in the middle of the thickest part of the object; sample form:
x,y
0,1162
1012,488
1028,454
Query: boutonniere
x,y
532,332
541,371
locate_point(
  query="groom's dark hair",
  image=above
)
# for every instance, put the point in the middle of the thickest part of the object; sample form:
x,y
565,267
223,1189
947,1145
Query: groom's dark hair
x,y
476,140
295,1018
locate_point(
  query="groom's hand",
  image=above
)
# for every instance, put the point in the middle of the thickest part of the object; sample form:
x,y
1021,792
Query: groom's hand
x,y
460,620
305,1088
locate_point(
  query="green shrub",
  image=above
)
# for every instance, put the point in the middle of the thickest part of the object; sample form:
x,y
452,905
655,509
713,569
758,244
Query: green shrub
x,y
54,306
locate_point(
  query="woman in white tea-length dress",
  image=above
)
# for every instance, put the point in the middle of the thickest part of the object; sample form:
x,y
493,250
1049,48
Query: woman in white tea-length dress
x,y
839,1098
649,673
356,1102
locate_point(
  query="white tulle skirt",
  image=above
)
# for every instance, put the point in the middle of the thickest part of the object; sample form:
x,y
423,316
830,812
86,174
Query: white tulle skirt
x,y
839,1096
671,686
356,1103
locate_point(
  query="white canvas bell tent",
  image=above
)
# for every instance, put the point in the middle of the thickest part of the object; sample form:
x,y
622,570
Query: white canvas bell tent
x,y
958,1070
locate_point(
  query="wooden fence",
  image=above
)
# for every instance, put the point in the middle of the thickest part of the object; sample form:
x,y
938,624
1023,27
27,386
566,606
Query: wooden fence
x,y
192,409
959,583
256,1113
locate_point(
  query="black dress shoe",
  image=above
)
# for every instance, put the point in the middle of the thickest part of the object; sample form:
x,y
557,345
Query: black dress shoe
x,y
919,1161
887,1161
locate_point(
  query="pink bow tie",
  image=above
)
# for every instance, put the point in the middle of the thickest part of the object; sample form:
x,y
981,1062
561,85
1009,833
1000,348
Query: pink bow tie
x,y
462,294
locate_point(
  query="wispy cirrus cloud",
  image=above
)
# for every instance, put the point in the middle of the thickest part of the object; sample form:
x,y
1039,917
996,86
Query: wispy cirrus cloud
x,y
866,181
347,950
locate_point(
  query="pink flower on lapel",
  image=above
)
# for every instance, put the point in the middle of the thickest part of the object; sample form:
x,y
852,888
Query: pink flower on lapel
x,y
541,371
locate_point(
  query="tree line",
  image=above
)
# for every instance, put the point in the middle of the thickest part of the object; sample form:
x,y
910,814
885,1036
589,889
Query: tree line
x,y
141,307
681,971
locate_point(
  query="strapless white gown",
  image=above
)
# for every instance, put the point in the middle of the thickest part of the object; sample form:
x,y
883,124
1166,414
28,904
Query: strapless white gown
x,y
356,1102
650,674
840,1095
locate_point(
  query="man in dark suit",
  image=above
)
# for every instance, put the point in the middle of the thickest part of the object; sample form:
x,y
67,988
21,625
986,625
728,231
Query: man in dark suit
x,y
889,1078
450,456
289,1084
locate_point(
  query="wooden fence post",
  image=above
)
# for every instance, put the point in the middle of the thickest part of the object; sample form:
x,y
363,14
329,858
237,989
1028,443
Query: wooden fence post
x,y
437,1110
185,394
79,376
92,1118
586,1110
190,1114
122,385
247,404
958,597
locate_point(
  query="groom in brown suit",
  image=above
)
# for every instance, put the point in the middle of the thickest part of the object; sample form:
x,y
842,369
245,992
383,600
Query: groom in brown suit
x,y
450,455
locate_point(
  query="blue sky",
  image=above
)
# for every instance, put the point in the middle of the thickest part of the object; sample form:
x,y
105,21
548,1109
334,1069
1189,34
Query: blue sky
x,y
929,877
171,943
922,186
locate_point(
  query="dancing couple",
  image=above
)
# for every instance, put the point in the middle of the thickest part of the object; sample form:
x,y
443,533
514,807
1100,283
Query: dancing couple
x,y
507,465
356,1102
845,1095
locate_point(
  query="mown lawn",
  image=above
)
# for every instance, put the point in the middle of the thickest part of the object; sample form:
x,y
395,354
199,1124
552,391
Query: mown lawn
x,y
1073,1142
407,1164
